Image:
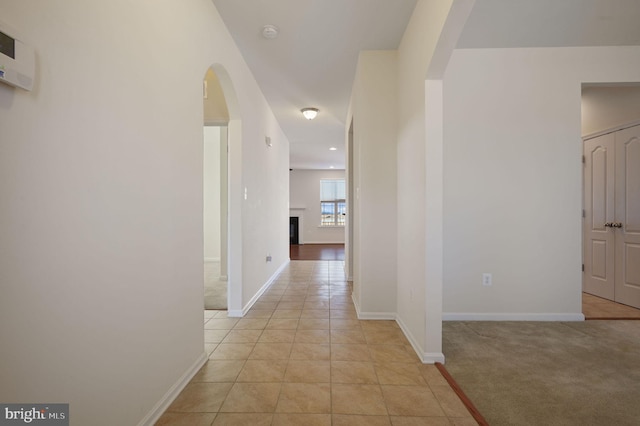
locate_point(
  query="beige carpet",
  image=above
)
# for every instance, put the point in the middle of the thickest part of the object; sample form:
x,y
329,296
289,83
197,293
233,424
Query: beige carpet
x,y
215,290
548,373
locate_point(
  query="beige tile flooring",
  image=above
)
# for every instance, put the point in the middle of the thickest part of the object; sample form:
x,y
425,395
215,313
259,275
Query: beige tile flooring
x,y
301,357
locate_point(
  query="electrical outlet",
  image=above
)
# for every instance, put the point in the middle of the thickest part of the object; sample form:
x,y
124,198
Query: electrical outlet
x,y
486,279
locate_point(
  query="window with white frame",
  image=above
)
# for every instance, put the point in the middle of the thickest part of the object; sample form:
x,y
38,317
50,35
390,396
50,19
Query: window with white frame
x,y
333,206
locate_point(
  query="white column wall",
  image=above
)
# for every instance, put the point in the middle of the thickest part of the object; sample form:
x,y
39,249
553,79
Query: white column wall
x,y
374,117
414,57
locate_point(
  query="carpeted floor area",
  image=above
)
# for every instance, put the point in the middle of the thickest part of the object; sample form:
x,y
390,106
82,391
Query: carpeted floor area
x,y
215,289
548,373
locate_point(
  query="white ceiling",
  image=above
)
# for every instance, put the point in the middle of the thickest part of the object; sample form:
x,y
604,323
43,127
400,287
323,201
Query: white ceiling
x,y
312,62
552,23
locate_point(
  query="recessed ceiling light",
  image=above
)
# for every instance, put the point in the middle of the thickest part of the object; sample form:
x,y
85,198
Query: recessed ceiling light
x,y
333,148
331,167
270,32
309,113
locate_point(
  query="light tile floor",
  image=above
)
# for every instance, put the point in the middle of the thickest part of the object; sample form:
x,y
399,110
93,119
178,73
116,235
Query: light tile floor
x,y
301,357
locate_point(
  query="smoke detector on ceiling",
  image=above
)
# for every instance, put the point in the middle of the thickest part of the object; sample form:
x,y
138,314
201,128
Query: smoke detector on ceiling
x,y
270,32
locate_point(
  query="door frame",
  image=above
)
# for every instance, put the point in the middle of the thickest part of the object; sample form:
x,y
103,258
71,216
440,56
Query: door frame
x,y
585,138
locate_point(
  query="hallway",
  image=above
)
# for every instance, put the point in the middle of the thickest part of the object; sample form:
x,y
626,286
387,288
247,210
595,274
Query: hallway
x,y
301,357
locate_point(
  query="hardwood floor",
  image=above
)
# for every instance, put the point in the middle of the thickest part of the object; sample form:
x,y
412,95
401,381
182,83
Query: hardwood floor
x,y
594,307
316,251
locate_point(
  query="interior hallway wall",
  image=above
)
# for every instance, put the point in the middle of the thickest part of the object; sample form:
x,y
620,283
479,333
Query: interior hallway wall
x,y
373,106
513,178
101,218
605,107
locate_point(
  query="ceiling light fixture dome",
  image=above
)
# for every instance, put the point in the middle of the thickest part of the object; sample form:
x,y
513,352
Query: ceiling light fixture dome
x,y
270,32
309,113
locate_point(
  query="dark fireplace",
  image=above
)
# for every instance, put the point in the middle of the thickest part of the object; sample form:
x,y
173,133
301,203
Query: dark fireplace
x,y
293,230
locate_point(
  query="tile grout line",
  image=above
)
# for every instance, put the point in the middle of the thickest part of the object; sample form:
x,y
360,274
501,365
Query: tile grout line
x,y
331,293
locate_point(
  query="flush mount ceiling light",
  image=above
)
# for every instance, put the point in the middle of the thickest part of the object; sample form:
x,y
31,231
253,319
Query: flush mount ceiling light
x,y
309,113
270,32
333,148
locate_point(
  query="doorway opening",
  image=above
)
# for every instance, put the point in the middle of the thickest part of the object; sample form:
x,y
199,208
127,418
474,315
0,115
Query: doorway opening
x,y
222,245
350,220
215,200
611,215
215,217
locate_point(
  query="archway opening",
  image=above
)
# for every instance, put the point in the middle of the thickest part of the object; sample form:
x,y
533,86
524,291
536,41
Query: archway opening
x,y
221,209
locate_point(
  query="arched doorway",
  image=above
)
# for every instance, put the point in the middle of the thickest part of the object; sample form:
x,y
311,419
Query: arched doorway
x,y
221,192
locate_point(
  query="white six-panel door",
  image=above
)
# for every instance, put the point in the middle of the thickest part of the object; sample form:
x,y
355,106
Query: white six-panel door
x,y
627,282
612,216
599,199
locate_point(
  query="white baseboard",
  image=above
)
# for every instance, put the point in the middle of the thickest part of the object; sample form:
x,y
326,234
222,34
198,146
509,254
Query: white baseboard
x,y
372,315
376,315
211,259
425,357
161,406
433,357
414,343
355,305
453,316
264,288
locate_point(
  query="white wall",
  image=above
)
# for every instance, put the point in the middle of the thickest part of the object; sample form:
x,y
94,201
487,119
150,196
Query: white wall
x,y
211,184
265,215
304,199
513,177
101,218
414,57
373,106
606,107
